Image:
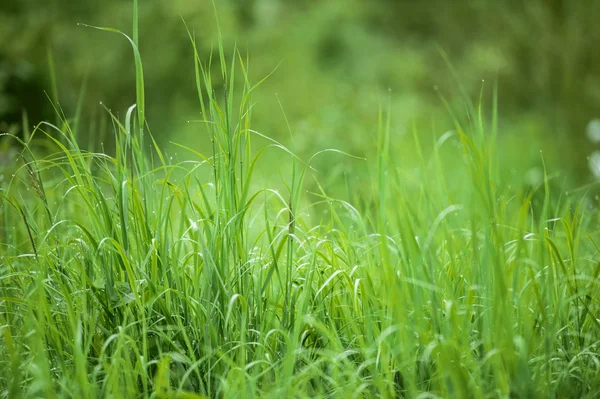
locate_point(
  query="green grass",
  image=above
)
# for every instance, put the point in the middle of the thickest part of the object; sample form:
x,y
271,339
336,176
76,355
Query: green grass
x,y
132,275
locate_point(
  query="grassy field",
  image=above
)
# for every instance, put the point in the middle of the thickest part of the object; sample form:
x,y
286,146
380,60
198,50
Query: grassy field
x,y
126,273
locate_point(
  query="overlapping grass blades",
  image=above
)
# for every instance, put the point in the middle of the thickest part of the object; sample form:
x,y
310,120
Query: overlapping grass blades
x,y
128,275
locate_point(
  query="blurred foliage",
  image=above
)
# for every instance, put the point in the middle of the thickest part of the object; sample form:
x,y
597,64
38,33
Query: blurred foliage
x,y
338,59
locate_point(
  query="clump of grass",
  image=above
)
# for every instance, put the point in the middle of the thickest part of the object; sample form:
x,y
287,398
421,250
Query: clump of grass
x,y
133,276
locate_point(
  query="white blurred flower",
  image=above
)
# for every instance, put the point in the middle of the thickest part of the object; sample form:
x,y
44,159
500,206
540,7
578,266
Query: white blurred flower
x,y
594,163
593,130
534,176
193,225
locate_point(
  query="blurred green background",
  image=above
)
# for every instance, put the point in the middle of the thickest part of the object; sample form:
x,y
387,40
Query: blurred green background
x,y
338,60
